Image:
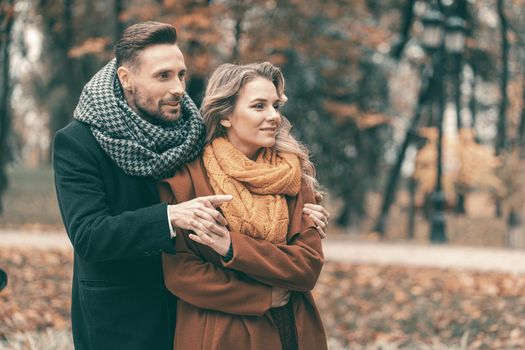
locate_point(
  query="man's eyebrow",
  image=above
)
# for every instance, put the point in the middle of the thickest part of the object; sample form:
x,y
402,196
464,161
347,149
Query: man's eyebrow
x,y
161,70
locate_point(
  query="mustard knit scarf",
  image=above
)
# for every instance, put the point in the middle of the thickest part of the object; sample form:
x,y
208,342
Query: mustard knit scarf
x,y
259,207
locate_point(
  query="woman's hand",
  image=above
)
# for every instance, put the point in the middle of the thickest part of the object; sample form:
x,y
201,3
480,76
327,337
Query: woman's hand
x,y
319,215
280,296
217,240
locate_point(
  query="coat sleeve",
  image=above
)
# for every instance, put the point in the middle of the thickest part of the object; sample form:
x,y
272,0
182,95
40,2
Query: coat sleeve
x,y
208,286
294,265
95,233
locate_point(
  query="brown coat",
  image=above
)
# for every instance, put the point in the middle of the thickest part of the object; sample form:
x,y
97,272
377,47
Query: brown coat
x,y
224,305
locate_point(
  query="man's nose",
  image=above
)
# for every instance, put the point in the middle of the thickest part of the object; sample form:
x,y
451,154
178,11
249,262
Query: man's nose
x,y
177,88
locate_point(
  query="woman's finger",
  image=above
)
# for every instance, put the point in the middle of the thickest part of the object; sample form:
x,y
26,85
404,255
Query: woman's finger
x,y
317,208
212,215
317,221
319,225
201,231
318,215
210,227
197,239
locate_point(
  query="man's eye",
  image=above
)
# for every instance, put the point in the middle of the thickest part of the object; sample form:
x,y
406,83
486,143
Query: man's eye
x,y
164,75
182,75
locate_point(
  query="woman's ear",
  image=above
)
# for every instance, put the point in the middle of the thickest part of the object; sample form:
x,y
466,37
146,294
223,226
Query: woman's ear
x,y
226,123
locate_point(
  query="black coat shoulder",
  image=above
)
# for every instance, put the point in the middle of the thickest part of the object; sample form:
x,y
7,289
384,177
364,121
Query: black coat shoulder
x,y
76,130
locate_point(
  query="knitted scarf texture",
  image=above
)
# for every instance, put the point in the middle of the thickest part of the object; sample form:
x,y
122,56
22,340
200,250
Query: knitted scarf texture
x,y
138,147
259,187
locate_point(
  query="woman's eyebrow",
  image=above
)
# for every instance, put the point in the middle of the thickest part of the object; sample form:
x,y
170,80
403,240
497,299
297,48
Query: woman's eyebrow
x,y
262,99
258,99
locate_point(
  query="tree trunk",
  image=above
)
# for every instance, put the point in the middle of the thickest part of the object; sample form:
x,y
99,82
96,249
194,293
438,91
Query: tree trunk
x,y
472,101
237,34
390,189
344,218
6,24
515,231
67,76
521,130
501,137
460,204
353,207
412,187
501,140
195,88
457,93
460,196
408,15
119,26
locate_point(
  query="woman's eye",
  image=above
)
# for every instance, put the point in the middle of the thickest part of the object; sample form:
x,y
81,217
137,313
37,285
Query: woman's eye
x,y
259,106
277,106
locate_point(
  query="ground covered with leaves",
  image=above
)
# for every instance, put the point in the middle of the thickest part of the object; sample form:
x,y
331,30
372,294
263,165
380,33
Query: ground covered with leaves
x,y
363,306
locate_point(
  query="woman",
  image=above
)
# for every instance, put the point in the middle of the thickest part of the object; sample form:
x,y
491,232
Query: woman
x,y
225,282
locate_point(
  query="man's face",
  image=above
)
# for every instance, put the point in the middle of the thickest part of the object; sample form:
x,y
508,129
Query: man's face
x,y
155,84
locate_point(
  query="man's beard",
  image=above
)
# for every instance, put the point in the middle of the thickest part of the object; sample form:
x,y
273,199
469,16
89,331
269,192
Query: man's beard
x,y
156,116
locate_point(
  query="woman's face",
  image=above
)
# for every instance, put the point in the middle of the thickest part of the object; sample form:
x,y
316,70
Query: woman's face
x,y
256,117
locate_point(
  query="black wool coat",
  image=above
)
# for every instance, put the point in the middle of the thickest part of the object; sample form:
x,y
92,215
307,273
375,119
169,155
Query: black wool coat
x,y
118,229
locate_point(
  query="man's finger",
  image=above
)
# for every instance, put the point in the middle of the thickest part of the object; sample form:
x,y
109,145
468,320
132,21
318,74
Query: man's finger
x,y
203,214
218,199
215,215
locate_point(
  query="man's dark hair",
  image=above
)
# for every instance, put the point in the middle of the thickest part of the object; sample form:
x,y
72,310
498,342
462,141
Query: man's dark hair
x,y
141,35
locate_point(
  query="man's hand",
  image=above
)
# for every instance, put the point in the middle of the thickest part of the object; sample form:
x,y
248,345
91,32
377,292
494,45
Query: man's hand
x,y
280,296
319,215
201,216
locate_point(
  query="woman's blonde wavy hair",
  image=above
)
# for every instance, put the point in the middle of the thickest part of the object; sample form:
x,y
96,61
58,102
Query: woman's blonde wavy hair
x,y
225,85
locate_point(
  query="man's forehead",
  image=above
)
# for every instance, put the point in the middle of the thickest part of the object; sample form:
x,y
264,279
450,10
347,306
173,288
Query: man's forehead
x,y
162,55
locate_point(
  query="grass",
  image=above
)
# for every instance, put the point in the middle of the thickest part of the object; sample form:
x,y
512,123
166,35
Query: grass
x,y
30,201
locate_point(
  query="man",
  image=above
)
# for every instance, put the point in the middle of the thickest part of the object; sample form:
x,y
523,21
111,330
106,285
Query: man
x,y
134,125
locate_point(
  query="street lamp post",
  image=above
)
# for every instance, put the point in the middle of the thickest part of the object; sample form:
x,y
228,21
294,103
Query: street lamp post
x,y
440,36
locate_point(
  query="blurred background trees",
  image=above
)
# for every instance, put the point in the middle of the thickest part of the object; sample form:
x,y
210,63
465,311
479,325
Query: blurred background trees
x,y
353,71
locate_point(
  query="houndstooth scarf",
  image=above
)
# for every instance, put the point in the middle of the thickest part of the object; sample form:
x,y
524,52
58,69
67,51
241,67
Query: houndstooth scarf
x,y
138,147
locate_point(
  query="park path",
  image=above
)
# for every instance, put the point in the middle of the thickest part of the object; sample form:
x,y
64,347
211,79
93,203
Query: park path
x,y
345,249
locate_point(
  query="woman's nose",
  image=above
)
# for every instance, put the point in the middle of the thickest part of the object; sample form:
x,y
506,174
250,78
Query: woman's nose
x,y
274,114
